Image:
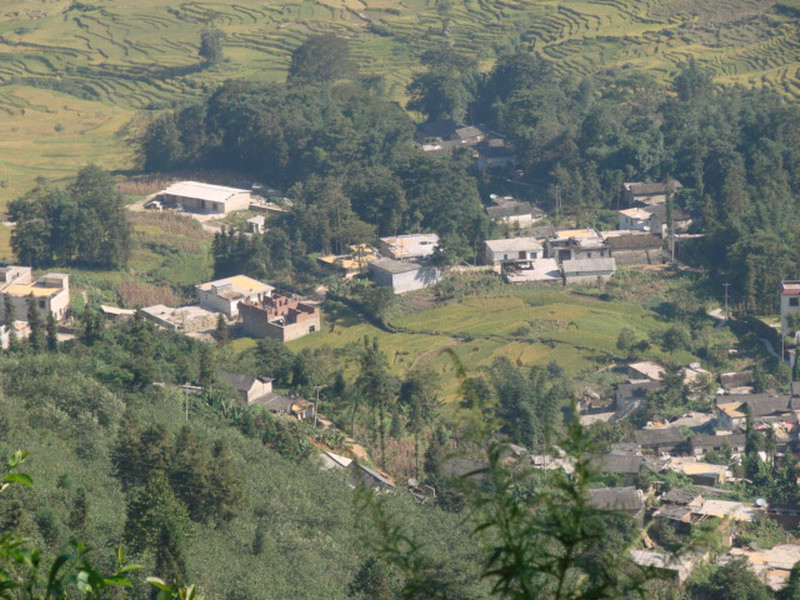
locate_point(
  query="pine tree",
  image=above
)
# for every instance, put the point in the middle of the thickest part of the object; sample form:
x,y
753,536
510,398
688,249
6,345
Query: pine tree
x,y
36,339
52,333
221,332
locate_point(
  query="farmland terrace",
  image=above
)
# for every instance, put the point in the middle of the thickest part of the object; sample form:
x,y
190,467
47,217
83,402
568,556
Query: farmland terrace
x,y
74,74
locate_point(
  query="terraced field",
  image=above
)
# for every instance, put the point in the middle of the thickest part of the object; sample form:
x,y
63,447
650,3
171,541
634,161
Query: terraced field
x,y
73,72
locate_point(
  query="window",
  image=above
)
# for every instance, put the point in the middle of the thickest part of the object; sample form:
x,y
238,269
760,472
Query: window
x,y
312,329
794,301
588,255
522,254
42,303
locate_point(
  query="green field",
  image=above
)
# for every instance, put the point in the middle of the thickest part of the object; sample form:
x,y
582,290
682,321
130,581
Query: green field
x,y
73,74
530,327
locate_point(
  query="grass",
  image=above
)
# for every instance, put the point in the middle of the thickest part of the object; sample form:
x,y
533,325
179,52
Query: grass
x,y
73,75
529,327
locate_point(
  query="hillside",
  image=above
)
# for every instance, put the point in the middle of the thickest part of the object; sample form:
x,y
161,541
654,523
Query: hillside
x,y
73,74
99,444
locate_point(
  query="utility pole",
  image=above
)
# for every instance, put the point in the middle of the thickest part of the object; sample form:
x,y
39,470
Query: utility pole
x,y
726,285
558,201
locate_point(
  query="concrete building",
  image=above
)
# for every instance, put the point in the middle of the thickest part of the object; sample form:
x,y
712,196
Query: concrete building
x,y
404,247
257,224
403,275
574,244
251,389
207,198
224,295
790,303
186,319
638,249
509,210
588,270
279,317
511,250
50,292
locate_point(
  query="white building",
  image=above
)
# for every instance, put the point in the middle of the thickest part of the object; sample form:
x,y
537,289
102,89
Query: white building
x,y
790,302
194,196
635,219
415,245
511,250
402,275
224,295
50,292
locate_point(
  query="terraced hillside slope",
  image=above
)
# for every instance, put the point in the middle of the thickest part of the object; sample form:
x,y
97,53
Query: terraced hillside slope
x,y
72,72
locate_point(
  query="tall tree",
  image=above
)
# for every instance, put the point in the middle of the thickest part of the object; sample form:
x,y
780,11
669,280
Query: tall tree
x,y
322,58
375,384
52,332
211,45
36,338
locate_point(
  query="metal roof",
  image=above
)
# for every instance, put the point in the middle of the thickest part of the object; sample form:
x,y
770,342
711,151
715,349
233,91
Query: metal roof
x,y
203,191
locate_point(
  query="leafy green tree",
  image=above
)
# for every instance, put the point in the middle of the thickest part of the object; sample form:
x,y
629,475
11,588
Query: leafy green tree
x,y
446,89
733,581
548,553
376,386
211,46
153,513
322,58
86,224
274,359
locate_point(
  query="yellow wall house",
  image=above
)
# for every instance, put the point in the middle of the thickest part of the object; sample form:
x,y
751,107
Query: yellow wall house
x,y
50,291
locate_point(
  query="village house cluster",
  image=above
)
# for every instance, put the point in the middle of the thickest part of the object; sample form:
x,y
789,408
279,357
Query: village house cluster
x,y
683,445
257,308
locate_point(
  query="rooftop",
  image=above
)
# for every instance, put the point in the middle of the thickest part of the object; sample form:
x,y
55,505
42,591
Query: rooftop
x,y
576,233
637,187
38,288
648,368
513,244
203,191
790,288
391,265
583,265
240,284
510,209
411,245
617,498
656,437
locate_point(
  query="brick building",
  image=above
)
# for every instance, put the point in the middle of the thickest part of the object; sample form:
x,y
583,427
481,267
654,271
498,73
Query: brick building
x,y
279,317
